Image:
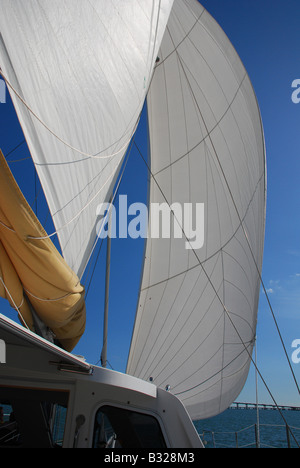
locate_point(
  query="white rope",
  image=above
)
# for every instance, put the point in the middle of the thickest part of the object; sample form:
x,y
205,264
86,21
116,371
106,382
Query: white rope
x,y
47,300
93,156
48,236
7,227
108,212
76,216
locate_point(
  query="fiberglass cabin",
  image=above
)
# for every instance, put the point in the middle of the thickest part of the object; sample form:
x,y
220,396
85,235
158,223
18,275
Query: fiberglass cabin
x,y
51,399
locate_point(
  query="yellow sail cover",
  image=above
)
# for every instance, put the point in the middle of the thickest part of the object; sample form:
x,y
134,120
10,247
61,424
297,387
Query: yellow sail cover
x,y
31,268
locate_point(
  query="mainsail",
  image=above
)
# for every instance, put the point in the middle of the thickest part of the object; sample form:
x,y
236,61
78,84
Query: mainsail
x,y
83,68
196,316
78,72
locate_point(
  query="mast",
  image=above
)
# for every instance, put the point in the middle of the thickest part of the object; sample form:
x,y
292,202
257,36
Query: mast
x,y
106,298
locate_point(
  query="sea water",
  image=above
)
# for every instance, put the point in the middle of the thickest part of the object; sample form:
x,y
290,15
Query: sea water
x,y
245,429
236,428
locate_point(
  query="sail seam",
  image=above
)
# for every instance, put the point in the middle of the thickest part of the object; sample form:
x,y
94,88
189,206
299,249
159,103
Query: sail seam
x,y
208,132
221,247
183,39
92,156
215,374
245,233
189,337
169,256
191,312
241,224
110,206
66,224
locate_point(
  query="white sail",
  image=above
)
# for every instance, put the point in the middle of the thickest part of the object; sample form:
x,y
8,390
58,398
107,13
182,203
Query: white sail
x,y
82,67
196,316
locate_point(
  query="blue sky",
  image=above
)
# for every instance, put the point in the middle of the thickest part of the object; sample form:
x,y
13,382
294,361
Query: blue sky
x,y
266,35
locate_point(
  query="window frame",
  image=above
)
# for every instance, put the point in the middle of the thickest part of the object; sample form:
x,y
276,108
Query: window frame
x,y
132,409
37,397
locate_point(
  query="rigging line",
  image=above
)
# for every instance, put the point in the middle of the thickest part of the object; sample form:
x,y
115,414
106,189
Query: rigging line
x,y
18,160
48,300
214,253
258,372
150,32
225,309
112,200
74,217
265,384
216,125
48,236
213,375
37,193
15,306
108,212
14,149
92,156
69,222
199,343
7,227
186,320
216,293
106,217
156,32
107,363
243,227
149,61
197,20
96,261
94,268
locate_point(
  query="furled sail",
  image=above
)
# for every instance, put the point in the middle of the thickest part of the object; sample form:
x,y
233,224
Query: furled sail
x,y
32,272
196,316
80,70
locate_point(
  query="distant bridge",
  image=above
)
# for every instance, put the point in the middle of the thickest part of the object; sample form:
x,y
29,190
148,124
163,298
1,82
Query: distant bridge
x,y
264,406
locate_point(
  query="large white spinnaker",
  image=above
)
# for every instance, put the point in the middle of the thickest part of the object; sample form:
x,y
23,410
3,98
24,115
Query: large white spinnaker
x,y
197,311
83,68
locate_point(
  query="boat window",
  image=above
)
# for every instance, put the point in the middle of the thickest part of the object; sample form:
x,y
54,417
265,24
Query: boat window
x,y
117,427
32,418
